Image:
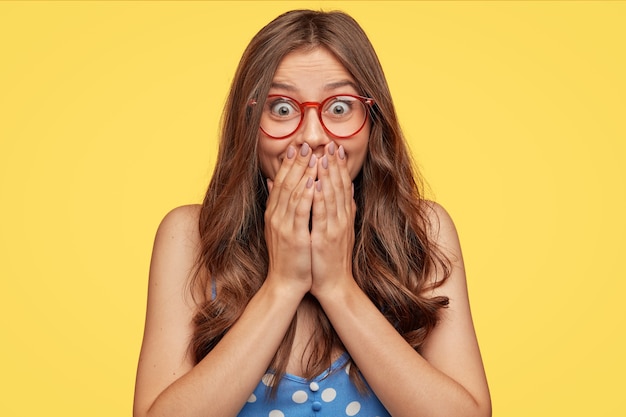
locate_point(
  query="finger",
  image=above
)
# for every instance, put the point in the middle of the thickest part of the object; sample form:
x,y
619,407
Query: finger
x,y
285,166
353,205
328,191
289,177
301,197
337,174
346,179
319,223
304,203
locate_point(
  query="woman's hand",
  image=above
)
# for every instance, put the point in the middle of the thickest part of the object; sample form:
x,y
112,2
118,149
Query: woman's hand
x,y
332,234
287,219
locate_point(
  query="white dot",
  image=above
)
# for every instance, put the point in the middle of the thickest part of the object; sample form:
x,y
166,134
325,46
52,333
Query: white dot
x,y
314,386
252,398
268,380
347,368
329,394
276,413
353,408
299,397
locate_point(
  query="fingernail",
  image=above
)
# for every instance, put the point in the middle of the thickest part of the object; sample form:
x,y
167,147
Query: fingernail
x,y
325,162
312,161
304,150
342,153
291,152
331,148
309,183
352,190
318,185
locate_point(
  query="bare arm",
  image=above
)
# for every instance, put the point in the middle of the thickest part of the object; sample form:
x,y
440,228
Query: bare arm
x,y
168,384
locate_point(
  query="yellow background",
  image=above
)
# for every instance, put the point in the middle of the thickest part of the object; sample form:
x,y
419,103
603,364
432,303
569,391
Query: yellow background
x,y
514,111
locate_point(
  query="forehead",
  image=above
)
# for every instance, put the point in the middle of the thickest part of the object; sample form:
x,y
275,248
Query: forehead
x,y
312,72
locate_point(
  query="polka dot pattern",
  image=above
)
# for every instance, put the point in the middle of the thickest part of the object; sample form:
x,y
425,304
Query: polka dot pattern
x,y
353,408
299,397
331,394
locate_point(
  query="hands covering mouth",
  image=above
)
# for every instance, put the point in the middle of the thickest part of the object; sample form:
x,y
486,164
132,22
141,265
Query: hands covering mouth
x,y
309,218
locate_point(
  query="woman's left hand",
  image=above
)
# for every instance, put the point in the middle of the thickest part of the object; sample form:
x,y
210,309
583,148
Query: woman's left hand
x,y
332,232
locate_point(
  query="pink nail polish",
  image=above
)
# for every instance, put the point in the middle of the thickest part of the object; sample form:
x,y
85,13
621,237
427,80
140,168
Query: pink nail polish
x,y
318,185
304,150
312,161
325,162
331,148
309,183
342,153
291,152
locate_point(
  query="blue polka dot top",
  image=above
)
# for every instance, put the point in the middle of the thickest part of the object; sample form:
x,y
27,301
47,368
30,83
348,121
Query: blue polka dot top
x,y
330,394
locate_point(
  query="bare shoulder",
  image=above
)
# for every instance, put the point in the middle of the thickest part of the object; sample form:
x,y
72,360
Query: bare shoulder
x,y
169,314
441,225
176,248
181,222
175,251
174,258
452,346
443,232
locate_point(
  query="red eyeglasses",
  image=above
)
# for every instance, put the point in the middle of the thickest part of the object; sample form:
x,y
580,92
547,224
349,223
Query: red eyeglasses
x,y
342,115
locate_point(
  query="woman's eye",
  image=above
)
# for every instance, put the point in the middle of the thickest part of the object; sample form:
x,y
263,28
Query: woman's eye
x,y
283,108
339,108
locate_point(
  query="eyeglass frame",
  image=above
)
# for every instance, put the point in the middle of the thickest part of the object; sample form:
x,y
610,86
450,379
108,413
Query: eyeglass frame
x,y
367,101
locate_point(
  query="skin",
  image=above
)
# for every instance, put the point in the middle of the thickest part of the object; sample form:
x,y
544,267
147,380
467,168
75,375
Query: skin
x,y
446,378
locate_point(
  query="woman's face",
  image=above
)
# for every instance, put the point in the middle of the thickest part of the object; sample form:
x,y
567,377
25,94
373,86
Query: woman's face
x,y
312,76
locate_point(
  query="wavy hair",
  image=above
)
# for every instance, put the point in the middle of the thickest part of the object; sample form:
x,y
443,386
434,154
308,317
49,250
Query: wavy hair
x,y
393,253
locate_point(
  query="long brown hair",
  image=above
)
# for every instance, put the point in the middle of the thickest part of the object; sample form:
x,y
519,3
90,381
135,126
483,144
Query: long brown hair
x,y
393,254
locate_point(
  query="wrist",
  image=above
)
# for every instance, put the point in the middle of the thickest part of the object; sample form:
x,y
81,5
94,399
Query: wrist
x,y
338,292
286,288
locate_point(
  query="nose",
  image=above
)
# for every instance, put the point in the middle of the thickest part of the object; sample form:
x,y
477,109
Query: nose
x,y
312,131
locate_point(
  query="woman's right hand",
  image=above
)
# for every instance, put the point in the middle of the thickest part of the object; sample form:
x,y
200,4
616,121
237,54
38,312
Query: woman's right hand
x,y
287,215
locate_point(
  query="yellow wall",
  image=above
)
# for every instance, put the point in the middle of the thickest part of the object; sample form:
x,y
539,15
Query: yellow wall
x,y
514,111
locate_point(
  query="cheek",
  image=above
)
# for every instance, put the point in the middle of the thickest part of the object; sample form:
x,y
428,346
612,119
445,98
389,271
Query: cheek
x,y
355,163
356,159
269,154
357,149
265,163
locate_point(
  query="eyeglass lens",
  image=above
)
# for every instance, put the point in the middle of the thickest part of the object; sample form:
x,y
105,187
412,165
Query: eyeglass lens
x,y
342,116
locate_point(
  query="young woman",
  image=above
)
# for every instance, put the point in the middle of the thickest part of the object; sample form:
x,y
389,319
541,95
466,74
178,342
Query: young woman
x,y
314,280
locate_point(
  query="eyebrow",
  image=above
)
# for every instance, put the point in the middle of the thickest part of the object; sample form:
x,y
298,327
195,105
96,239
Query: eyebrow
x,y
340,84
283,86
330,86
